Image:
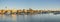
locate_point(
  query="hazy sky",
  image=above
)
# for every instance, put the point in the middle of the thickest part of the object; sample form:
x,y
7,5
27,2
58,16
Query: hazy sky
x,y
34,4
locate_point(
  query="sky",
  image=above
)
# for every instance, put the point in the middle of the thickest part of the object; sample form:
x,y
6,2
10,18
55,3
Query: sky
x,y
26,4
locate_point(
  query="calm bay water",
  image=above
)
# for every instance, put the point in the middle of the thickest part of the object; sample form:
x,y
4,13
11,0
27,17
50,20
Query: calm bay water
x,y
30,18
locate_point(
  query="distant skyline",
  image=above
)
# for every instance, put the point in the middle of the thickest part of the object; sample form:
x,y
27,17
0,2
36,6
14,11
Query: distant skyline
x,y
26,4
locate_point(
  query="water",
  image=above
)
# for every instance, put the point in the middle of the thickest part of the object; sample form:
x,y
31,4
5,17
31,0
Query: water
x,y
30,18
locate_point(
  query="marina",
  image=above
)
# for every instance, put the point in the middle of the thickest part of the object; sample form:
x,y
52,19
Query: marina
x,y
29,11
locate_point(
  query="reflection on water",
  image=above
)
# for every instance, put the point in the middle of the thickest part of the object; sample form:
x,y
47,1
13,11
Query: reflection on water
x,y
30,18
